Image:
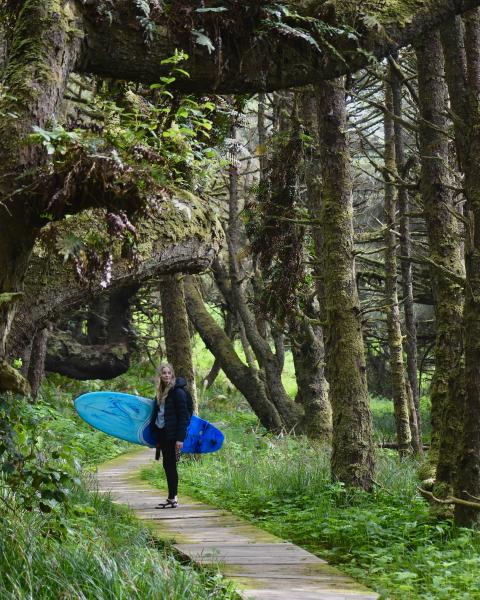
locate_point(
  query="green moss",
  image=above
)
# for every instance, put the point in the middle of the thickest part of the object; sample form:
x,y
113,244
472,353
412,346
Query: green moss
x,y
9,298
32,70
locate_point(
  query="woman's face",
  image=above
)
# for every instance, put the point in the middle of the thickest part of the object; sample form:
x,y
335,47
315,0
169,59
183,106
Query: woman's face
x,y
166,375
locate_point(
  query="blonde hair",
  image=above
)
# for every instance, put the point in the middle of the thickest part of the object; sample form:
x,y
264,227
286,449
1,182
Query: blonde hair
x,y
162,388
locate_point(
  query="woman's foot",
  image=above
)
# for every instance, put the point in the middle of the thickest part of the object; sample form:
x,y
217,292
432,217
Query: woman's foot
x,y
169,503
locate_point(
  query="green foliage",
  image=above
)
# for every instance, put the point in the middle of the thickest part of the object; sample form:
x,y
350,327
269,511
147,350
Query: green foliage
x,y
34,468
59,540
384,419
101,552
165,136
56,140
387,539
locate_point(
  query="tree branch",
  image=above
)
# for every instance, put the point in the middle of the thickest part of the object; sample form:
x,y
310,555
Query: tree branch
x,y
449,499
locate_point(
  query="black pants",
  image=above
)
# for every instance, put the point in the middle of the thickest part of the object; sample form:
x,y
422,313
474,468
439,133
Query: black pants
x,y
169,458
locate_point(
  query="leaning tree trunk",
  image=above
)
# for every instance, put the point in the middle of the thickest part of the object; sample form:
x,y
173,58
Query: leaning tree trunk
x,y
353,449
399,390
217,367
242,377
444,237
176,331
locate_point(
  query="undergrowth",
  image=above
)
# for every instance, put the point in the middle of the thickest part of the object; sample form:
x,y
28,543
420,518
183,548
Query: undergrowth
x,y
60,539
386,539
92,549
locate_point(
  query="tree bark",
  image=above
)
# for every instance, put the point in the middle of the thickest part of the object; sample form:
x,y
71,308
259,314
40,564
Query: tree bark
x,y
309,360
463,75
241,376
353,449
36,368
399,390
444,237
176,331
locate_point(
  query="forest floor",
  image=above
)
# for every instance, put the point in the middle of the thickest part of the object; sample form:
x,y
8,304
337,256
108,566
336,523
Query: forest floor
x,y
260,564
57,539
389,539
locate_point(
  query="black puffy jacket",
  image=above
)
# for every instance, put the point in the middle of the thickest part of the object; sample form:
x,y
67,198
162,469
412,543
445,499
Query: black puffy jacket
x,y
177,416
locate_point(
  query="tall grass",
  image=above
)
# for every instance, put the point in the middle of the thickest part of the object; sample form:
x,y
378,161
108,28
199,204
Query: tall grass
x,y
94,551
60,541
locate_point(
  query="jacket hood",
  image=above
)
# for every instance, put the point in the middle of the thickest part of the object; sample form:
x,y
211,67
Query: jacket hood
x,y
180,382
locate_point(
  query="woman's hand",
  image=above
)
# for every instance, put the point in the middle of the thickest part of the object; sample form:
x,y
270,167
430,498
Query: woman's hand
x,y
178,446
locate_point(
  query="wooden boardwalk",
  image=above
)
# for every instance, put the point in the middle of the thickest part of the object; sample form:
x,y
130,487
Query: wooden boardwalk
x,y
261,565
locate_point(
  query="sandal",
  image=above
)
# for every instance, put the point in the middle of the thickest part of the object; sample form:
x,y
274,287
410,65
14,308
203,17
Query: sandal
x,y
168,504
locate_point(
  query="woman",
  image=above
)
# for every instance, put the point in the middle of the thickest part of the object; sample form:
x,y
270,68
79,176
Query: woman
x,y
170,420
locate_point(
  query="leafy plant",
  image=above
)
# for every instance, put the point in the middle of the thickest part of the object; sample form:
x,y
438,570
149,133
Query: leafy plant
x,y
36,470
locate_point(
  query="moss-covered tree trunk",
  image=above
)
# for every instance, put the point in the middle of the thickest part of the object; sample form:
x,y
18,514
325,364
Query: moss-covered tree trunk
x,y
462,61
445,252
353,451
244,378
308,354
36,367
43,47
397,369
307,339
468,483
176,331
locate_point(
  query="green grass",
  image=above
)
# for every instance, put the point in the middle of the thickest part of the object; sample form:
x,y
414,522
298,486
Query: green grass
x,y
93,550
387,539
384,419
58,540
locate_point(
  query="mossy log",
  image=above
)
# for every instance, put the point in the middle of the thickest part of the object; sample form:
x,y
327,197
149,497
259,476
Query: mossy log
x,y
85,361
251,51
180,236
12,380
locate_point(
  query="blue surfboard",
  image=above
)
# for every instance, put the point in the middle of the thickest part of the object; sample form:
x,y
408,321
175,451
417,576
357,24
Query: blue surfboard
x,y
128,417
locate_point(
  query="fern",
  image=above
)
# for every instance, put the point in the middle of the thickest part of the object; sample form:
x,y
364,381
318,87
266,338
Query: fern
x,y
144,18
